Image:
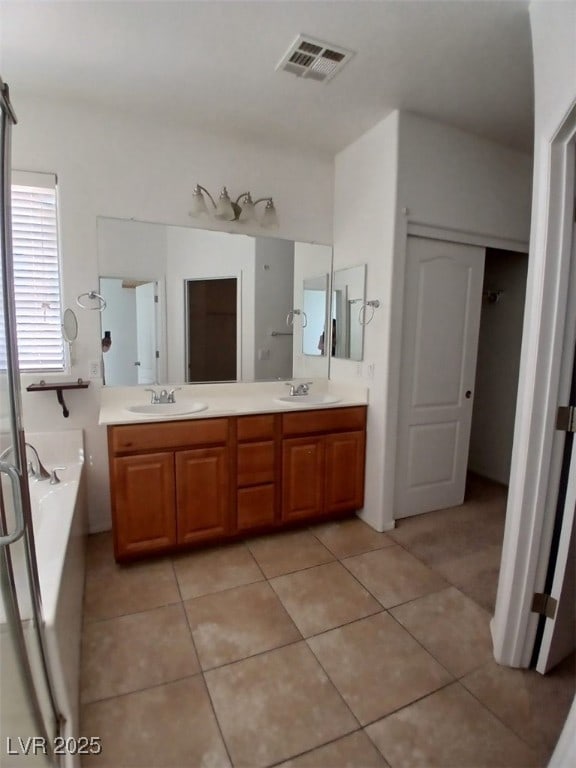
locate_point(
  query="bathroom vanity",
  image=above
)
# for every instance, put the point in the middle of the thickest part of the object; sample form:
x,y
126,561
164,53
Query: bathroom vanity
x,y
211,478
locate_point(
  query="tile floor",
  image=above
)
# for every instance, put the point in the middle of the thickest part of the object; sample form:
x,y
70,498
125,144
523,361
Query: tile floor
x,y
330,647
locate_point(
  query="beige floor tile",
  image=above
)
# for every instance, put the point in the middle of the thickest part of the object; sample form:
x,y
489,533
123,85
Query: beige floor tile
x,y
100,552
456,532
132,652
353,751
205,571
393,576
449,729
170,725
323,597
116,590
475,574
288,552
535,706
231,625
377,666
350,537
276,705
451,626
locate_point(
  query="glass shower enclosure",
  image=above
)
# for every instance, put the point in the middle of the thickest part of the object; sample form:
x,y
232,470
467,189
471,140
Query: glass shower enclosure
x,y
29,717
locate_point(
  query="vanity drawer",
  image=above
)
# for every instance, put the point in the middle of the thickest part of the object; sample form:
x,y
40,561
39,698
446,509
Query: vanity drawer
x,y
167,435
255,427
256,507
328,420
256,463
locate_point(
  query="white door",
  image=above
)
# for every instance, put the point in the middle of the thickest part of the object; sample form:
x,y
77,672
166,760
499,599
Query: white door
x,y
559,638
443,297
146,333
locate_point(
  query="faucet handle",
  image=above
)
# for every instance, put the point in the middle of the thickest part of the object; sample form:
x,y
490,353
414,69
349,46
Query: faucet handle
x,y
171,398
292,388
155,397
54,479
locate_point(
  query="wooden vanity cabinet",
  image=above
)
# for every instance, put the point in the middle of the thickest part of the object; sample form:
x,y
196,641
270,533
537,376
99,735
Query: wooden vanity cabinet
x,y
185,483
170,484
323,473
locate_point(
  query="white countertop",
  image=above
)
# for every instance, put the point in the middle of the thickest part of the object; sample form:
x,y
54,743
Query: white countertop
x,y
230,399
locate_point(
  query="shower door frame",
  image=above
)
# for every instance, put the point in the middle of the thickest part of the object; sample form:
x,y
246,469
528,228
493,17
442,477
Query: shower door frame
x,y
19,480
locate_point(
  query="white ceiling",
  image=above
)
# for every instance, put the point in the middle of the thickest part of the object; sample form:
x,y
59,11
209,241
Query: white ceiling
x,y
212,64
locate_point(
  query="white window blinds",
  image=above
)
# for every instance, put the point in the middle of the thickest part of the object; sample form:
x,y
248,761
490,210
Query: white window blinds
x,y
36,272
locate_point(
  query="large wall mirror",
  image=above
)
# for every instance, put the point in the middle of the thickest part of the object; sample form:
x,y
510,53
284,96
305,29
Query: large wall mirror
x,y
347,312
192,305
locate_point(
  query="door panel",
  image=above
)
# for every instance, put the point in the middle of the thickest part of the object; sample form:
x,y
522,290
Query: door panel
x,y
146,332
302,478
202,485
144,514
440,343
344,472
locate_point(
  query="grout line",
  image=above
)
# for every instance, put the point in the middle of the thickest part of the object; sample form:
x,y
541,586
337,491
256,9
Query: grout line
x,y
496,715
130,613
312,749
410,704
216,720
138,690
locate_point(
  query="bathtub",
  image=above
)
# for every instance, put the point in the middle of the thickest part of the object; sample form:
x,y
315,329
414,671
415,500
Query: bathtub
x,y
59,523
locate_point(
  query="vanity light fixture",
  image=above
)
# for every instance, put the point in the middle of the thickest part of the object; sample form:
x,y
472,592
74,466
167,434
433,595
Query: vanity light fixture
x,y
241,209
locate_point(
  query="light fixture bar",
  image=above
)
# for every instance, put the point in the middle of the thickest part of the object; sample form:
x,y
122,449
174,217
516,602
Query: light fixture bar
x,y
242,209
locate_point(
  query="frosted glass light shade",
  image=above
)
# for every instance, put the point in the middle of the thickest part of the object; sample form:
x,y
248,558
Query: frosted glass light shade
x,y
224,208
248,212
198,203
269,217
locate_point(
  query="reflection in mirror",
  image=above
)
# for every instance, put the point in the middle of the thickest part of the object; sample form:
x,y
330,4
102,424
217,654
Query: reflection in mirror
x,y
348,296
211,311
269,275
315,308
129,337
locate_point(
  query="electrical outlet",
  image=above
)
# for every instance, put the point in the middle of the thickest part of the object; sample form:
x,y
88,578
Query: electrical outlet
x,y
94,369
371,370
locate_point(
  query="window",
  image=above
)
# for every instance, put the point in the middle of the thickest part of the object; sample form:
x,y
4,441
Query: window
x,y
36,272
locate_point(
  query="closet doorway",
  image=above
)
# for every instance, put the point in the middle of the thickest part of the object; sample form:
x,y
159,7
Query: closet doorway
x,y
211,329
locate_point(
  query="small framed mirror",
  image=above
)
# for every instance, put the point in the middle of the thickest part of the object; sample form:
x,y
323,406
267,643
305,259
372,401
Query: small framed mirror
x,y
69,326
348,297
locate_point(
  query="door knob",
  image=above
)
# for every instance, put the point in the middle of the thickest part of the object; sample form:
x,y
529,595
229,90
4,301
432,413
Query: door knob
x,y
136,363
468,394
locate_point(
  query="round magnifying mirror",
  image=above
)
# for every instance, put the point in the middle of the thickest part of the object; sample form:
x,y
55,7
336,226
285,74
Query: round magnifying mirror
x,y
69,326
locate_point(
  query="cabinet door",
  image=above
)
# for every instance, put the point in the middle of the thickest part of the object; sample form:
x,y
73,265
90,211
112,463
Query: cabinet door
x,y
143,508
344,472
202,493
256,506
302,478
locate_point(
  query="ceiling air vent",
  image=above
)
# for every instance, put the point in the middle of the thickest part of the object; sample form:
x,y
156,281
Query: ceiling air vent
x,y
313,59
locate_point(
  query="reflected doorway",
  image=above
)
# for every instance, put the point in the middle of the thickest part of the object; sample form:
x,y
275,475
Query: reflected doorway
x,y
211,329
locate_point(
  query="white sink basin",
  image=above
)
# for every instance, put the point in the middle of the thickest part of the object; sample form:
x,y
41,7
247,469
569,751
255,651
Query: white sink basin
x,y
162,410
311,399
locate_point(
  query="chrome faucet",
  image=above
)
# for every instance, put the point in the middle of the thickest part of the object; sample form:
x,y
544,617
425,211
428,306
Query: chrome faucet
x,y
298,389
162,397
39,472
